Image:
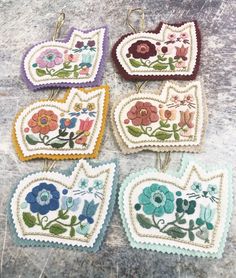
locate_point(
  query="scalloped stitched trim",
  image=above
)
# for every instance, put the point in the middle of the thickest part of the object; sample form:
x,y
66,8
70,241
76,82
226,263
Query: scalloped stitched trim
x,y
161,75
195,226
61,156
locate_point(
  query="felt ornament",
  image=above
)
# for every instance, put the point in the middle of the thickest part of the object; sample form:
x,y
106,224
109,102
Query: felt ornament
x,y
70,128
186,213
68,211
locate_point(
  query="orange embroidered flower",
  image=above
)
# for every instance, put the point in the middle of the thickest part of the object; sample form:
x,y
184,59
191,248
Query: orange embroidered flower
x,y
186,118
43,121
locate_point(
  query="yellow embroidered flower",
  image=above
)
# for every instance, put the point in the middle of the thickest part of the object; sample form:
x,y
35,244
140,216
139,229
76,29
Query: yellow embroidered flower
x,y
87,133
91,106
78,106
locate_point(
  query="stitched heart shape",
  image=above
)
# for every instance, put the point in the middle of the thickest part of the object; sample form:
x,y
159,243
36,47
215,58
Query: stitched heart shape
x,y
49,208
187,214
172,120
77,61
66,129
172,51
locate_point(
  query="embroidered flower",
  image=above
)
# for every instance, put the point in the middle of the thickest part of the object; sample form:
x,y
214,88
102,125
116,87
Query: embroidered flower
x,y
181,64
212,189
186,118
84,71
167,49
43,121
83,229
43,198
79,44
206,217
186,132
85,125
181,52
83,183
188,98
49,58
142,49
91,43
167,114
70,203
184,35
157,200
171,37
78,106
143,113
67,123
87,59
184,205
81,140
98,184
175,99
89,211
91,106
70,57
197,187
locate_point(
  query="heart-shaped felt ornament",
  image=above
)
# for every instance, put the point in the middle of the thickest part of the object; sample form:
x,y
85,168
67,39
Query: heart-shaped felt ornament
x,y
172,51
51,209
187,214
77,61
173,119
71,128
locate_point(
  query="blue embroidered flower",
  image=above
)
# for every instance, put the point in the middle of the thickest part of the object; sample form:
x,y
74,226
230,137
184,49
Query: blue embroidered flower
x,y
83,183
67,123
43,198
212,189
98,184
157,200
197,187
206,217
83,229
184,205
89,211
69,203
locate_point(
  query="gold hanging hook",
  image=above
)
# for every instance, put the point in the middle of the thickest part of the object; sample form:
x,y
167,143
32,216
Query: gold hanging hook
x,y
162,165
140,11
139,86
60,22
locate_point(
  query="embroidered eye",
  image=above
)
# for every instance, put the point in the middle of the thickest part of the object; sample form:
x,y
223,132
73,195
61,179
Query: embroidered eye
x,y
83,183
98,184
212,189
197,187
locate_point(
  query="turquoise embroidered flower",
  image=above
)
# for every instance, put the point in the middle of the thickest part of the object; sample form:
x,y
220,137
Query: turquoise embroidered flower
x,y
83,229
206,217
184,205
70,203
83,183
197,187
157,200
212,189
98,184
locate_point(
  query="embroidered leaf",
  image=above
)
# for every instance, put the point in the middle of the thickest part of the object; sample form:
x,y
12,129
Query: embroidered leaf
x,y
57,229
71,142
58,144
199,222
31,139
161,135
182,221
40,72
144,221
172,67
163,124
174,127
72,232
135,63
73,220
67,66
159,66
62,215
63,74
62,133
29,219
135,131
191,224
176,136
171,60
176,232
191,235
161,58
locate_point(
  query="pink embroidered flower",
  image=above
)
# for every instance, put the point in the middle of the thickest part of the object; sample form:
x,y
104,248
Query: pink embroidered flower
x,y
26,130
171,37
180,64
186,118
49,58
84,71
188,98
186,132
126,121
184,35
167,114
71,57
85,125
142,49
181,52
175,99
82,140
143,113
43,121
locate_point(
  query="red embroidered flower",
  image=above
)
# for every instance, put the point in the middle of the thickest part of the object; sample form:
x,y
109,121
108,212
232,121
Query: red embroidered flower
x,y
181,52
82,140
142,49
43,121
85,125
186,118
143,113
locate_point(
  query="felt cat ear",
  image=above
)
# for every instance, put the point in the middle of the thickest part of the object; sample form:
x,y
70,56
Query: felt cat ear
x,y
77,61
171,51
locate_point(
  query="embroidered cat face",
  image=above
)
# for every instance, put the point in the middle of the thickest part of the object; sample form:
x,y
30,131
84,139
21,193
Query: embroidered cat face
x,y
199,191
94,188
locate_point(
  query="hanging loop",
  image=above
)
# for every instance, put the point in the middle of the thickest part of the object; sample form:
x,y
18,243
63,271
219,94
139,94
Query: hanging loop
x,y
140,11
60,22
162,164
139,86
